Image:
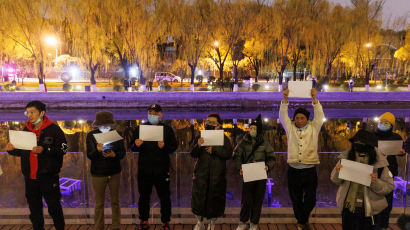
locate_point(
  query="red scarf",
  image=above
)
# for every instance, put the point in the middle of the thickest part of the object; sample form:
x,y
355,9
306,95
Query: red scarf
x,y
33,156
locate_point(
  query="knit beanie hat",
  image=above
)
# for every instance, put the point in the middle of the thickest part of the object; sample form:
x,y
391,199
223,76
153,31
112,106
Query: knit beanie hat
x,y
302,111
258,123
388,117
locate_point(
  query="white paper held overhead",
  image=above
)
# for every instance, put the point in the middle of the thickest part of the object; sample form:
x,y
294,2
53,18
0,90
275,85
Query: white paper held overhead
x,y
300,89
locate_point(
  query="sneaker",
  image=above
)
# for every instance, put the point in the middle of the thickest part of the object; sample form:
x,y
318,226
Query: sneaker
x,y
211,225
253,227
241,226
303,227
199,226
165,226
143,225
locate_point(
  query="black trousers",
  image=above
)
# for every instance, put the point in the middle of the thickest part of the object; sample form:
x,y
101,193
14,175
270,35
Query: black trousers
x,y
353,221
302,185
49,188
253,194
381,220
161,184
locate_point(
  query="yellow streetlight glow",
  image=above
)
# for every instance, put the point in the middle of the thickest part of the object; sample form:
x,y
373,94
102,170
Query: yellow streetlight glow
x,y
216,43
51,40
368,45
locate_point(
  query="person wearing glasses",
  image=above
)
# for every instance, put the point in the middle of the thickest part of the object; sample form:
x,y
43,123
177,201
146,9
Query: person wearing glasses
x,y
209,179
41,166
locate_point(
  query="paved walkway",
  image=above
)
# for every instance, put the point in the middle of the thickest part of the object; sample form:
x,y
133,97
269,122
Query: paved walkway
x,y
190,227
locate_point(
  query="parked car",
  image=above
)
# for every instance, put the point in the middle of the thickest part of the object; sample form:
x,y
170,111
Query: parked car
x,y
166,76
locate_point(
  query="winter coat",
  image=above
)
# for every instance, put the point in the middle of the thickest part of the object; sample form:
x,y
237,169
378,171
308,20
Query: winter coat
x,y
152,159
50,161
100,165
209,179
374,200
261,151
302,148
390,136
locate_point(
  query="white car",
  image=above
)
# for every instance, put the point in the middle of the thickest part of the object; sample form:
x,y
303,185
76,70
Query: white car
x,y
166,76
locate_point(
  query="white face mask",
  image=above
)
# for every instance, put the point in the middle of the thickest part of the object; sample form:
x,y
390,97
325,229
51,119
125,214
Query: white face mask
x,y
38,121
104,129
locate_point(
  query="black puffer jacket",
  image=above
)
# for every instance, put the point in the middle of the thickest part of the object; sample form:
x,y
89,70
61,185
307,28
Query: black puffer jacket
x,y
259,151
50,161
152,159
209,180
100,165
390,136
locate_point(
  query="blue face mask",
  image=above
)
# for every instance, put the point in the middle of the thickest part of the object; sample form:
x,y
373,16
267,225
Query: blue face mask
x,y
153,119
383,127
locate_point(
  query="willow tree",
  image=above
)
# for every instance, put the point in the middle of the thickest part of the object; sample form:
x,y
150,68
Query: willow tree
x,y
192,32
333,34
366,34
90,41
234,29
29,21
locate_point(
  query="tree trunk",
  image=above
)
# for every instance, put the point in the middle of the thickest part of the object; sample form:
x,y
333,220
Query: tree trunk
x,y
294,71
256,68
367,79
235,71
41,78
193,67
221,76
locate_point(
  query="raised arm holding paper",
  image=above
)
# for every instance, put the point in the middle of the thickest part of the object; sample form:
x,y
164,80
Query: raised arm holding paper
x,y
302,139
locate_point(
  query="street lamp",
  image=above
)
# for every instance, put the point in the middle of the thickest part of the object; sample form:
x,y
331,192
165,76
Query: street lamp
x,y
216,44
52,41
368,45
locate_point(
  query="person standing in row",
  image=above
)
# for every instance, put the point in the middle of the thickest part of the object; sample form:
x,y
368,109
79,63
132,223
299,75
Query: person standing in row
x,y
302,136
385,133
209,179
359,203
41,166
253,148
153,168
105,169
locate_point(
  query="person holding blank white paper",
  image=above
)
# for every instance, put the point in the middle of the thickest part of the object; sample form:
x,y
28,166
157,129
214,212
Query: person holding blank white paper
x,y
105,169
302,137
153,168
253,148
41,166
385,133
359,203
209,178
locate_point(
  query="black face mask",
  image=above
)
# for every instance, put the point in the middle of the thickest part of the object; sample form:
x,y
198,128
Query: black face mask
x,y
210,127
362,148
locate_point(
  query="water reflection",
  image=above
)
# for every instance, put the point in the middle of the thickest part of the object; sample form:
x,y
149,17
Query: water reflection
x,y
333,138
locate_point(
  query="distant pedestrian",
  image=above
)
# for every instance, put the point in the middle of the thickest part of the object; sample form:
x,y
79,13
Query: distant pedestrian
x,y
150,85
351,83
231,85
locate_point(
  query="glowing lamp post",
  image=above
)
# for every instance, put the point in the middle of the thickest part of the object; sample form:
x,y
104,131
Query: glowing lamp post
x,y
53,42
